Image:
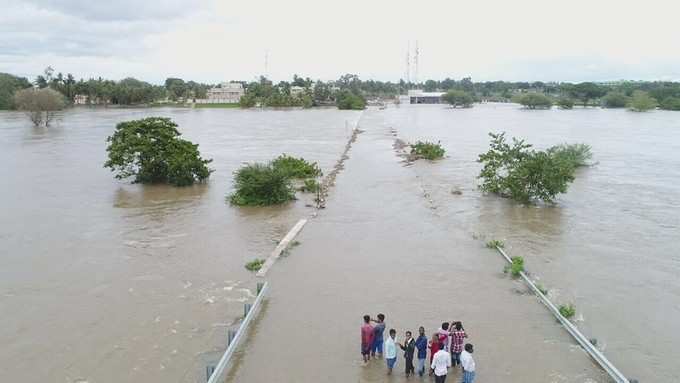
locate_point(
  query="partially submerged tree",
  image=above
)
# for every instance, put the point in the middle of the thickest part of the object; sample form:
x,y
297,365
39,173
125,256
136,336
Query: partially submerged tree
x,y
516,171
641,102
614,99
534,100
565,103
40,105
261,185
458,98
670,103
151,151
347,99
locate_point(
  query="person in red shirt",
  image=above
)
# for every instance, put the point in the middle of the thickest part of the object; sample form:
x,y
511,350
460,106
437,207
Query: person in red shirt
x,y
457,338
434,347
366,338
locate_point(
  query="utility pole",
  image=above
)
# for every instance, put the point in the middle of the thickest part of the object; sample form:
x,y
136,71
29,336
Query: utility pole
x,y
415,74
408,63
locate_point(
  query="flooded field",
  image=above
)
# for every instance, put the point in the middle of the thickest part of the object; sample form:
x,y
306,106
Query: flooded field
x,y
105,281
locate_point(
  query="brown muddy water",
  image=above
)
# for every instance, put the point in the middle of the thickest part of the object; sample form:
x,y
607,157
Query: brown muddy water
x,y
610,245
105,281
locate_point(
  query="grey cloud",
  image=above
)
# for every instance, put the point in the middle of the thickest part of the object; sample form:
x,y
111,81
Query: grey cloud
x,y
28,30
117,10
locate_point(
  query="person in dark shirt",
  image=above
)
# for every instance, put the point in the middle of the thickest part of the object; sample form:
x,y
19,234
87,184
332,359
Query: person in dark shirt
x,y
421,345
409,348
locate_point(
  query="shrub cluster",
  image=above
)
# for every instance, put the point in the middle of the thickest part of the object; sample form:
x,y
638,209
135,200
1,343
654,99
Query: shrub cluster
x,y
516,171
517,266
346,99
567,311
534,100
459,98
296,167
575,154
494,243
271,184
427,150
255,265
565,103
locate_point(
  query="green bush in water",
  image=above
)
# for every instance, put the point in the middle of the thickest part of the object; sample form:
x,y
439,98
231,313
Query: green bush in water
x,y
494,243
427,150
574,154
517,266
255,265
261,185
296,167
567,311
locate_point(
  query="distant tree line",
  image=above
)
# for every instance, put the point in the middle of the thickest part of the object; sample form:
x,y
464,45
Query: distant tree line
x,y
349,91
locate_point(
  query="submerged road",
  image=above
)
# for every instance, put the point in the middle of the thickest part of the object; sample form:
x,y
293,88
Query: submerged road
x,y
379,246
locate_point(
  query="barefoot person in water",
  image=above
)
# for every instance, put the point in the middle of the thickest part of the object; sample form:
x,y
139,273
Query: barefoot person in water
x,y
366,338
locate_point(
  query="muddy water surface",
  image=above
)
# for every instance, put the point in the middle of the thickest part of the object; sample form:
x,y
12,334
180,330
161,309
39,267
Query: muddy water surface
x,y
105,281
610,245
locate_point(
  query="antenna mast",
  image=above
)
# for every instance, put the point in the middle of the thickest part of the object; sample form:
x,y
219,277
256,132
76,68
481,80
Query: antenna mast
x,y
415,75
408,63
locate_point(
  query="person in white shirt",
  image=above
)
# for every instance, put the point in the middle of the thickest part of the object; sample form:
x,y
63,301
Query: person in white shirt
x,y
390,349
468,364
440,364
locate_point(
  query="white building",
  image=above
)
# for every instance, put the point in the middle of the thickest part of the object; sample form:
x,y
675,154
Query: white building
x,y
225,93
417,96
296,90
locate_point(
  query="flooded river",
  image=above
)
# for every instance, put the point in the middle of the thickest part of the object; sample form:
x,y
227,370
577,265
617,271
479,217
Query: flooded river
x,y
105,281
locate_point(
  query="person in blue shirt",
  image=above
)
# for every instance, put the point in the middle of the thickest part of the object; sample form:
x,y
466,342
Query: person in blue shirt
x,y
421,345
378,330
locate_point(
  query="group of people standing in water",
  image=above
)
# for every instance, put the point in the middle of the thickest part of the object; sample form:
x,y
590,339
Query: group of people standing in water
x,y
447,349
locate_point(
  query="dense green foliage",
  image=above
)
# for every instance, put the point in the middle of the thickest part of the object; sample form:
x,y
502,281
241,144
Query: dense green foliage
x,y
614,99
427,150
261,185
9,84
40,105
517,266
533,100
567,311
565,103
151,151
641,101
346,99
516,171
294,167
255,265
670,103
576,155
585,91
458,98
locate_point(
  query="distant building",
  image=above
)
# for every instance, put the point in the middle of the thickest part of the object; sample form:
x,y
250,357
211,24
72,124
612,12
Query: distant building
x,y
225,93
80,99
417,96
296,90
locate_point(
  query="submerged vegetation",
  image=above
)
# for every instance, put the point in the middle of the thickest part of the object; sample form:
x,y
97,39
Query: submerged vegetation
x,y
254,265
534,100
261,185
516,267
271,183
427,150
459,98
567,311
575,154
151,151
495,243
565,103
518,172
642,102
347,99
294,167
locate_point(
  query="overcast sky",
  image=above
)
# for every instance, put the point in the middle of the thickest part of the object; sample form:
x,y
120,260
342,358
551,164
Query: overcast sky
x,y
213,41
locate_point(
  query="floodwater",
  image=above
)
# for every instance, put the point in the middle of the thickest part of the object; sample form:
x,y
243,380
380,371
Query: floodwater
x,y
106,281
